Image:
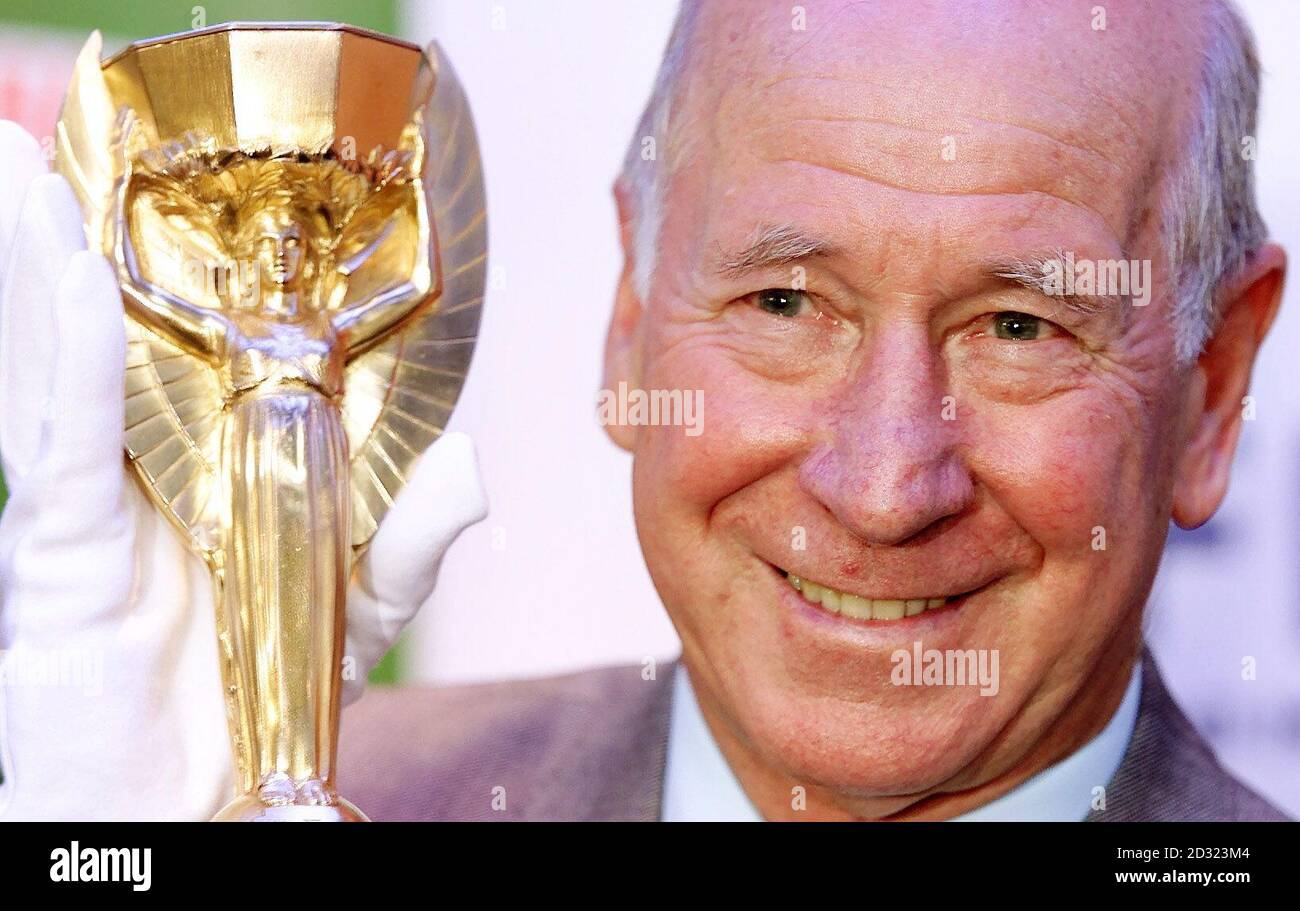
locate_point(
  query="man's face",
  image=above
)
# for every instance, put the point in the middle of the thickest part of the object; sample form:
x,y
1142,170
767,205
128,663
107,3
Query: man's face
x,y
911,426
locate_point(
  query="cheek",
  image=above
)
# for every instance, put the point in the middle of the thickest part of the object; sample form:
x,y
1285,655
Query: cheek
x,y
1064,469
1058,474
748,429
681,484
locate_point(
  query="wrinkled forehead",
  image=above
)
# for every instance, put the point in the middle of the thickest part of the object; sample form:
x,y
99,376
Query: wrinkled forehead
x,y
1068,101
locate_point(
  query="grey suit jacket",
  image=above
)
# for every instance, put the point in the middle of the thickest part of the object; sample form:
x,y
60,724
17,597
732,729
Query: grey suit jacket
x,y
592,746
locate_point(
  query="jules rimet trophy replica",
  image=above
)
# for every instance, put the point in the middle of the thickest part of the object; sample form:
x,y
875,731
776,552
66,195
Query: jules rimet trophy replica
x,y
296,215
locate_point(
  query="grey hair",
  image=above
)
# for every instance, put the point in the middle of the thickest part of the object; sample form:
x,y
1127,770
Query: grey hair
x,y
1210,221
655,152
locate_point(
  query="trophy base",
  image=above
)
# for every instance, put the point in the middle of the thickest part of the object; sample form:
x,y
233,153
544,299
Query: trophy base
x,y
251,808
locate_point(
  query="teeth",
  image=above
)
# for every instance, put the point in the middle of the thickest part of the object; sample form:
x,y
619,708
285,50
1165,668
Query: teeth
x,y
859,608
888,610
855,607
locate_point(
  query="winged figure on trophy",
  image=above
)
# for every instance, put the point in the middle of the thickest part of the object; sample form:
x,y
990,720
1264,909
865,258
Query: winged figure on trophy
x,y
299,324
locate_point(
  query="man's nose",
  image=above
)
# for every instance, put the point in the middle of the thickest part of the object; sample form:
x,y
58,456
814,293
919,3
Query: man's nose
x,y
890,467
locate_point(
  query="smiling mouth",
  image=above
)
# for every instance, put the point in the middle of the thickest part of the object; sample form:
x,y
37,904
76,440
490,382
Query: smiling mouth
x,y
855,607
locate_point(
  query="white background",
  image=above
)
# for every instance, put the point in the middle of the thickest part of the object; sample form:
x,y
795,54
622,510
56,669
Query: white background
x,y
553,580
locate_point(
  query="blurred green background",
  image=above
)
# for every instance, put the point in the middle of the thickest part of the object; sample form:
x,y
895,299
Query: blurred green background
x,y
134,20
66,23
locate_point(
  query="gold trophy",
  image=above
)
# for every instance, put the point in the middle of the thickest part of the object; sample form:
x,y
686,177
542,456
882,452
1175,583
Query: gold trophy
x,y
296,215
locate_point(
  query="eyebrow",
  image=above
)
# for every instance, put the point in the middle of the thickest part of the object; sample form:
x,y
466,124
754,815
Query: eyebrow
x,y
1034,270
776,245
772,245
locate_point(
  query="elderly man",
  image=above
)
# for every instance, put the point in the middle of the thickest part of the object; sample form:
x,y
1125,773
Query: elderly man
x,y
842,223
972,292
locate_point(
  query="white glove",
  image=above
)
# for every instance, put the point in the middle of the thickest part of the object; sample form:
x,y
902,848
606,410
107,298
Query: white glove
x,y
112,705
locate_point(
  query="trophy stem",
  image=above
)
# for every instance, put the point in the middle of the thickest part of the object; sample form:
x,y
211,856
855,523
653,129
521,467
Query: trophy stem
x,y
280,600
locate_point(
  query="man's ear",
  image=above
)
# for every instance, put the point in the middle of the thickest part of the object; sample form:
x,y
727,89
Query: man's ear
x,y
623,340
1220,383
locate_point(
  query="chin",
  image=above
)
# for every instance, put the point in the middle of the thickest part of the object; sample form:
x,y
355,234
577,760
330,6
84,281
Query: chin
x,y
814,695
867,749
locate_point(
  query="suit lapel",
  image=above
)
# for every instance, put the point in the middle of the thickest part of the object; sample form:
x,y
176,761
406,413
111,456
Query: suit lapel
x,y
1169,772
612,766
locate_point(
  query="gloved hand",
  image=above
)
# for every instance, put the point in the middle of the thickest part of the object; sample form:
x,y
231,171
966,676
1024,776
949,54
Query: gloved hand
x,y
112,705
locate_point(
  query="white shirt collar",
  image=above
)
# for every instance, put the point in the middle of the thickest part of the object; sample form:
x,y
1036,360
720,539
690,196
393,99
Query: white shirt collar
x,y
699,786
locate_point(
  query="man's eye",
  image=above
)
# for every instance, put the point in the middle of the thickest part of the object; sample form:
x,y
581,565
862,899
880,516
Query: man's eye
x,y
1019,327
782,301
